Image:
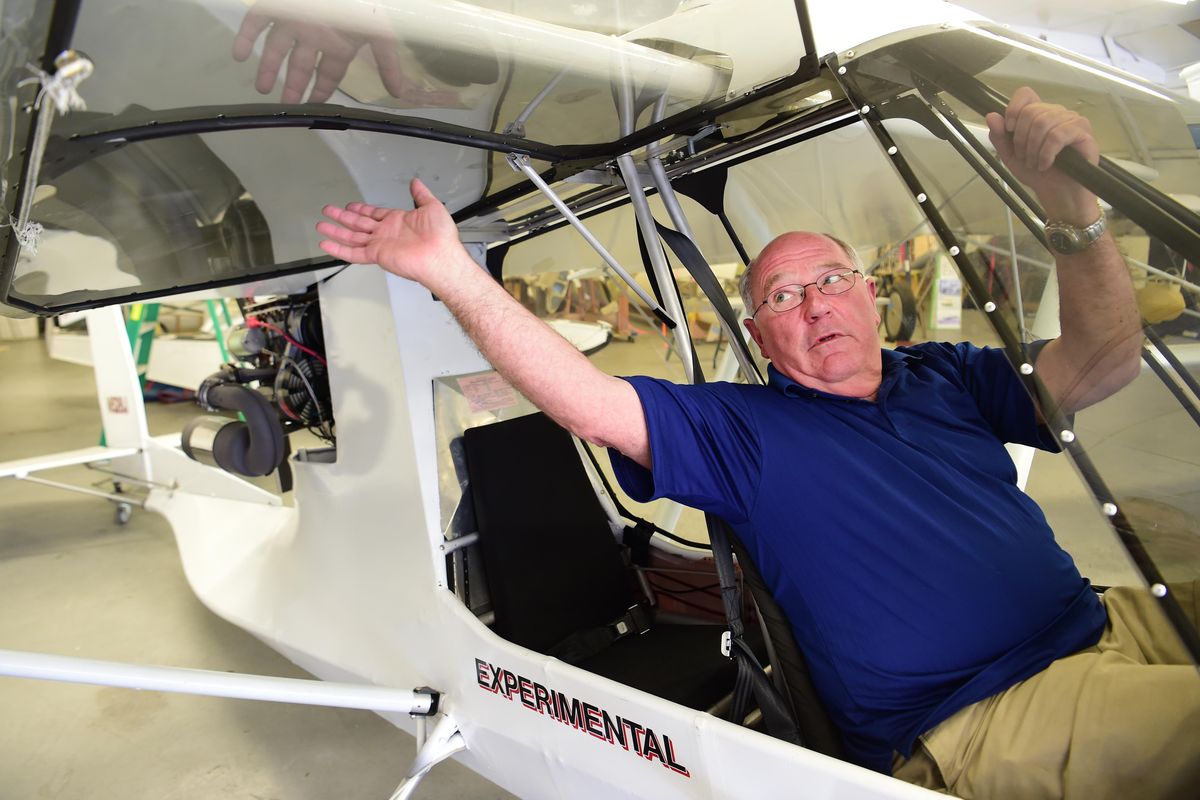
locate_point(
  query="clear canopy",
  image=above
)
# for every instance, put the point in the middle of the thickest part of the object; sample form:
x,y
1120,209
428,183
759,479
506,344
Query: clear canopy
x,y
162,154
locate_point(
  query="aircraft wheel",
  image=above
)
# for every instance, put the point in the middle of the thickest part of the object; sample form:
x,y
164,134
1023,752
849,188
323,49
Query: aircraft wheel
x,y
900,318
124,510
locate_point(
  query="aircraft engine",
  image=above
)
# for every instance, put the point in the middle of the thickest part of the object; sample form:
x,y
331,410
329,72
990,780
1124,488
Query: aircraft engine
x,y
279,384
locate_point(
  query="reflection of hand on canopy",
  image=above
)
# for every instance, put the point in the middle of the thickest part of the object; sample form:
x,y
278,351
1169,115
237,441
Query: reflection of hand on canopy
x,y
313,47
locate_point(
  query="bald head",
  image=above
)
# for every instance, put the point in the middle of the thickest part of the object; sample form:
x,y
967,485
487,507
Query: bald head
x,y
781,245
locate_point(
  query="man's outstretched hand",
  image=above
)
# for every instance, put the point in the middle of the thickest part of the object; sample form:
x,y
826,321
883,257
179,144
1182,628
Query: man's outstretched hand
x,y
321,53
412,244
1029,136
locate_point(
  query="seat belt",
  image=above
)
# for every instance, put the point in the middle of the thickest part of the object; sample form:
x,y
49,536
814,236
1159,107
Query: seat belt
x,y
751,678
586,643
689,255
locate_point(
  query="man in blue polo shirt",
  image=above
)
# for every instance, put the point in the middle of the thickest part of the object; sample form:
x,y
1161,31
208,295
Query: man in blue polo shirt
x,y
940,619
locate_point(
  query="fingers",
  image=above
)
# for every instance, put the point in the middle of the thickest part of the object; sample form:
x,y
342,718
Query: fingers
x,y
253,24
352,255
329,76
1030,131
1071,131
374,212
1038,132
421,194
1016,104
276,47
353,219
301,64
998,133
343,235
388,65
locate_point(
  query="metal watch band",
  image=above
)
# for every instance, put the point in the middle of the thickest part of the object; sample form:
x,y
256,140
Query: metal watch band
x,y
1068,240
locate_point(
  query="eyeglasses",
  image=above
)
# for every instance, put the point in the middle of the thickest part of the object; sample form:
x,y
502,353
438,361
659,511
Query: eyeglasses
x,y
785,298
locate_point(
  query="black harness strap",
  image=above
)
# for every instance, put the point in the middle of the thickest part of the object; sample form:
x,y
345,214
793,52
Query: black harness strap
x,y
689,255
649,268
586,643
751,679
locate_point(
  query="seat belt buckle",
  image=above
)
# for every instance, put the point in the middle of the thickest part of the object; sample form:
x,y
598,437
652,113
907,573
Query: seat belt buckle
x,y
637,620
727,644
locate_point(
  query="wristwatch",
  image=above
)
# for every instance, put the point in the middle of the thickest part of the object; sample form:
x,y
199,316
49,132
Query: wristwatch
x,y
1068,240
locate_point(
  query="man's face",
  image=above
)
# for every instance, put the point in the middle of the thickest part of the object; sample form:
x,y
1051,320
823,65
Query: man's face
x,y
828,342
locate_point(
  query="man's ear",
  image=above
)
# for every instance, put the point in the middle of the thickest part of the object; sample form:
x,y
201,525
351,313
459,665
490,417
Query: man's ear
x,y
873,289
756,335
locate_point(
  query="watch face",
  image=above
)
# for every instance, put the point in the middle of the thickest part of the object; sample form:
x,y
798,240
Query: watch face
x,y
1061,240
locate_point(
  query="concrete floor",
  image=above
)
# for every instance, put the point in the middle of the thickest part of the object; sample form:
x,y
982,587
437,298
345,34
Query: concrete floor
x,y
73,582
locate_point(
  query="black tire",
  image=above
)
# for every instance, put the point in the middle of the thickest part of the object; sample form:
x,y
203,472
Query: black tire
x,y
900,316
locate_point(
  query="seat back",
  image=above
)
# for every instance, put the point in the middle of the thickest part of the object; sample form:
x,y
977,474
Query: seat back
x,y
552,564
789,670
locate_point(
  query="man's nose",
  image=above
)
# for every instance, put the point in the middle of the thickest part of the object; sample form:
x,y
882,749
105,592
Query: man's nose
x,y
815,304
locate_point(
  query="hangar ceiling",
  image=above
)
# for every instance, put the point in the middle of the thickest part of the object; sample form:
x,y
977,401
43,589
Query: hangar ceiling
x,y
1152,38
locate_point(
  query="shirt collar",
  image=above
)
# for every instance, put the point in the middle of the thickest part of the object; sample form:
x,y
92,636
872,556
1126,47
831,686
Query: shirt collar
x,y
893,360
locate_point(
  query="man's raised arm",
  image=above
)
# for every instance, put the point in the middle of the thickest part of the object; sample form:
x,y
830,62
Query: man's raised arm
x,y
422,245
1099,349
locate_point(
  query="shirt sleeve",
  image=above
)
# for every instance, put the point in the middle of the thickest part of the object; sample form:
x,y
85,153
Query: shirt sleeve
x,y
704,448
1001,396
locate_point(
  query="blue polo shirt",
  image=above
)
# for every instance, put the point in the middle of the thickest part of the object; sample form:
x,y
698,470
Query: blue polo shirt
x,y
918,578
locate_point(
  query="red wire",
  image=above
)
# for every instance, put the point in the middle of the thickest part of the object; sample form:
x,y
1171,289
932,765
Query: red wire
x,y
255,322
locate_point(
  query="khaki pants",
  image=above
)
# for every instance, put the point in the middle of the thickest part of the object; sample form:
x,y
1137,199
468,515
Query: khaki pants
x,y
1118,720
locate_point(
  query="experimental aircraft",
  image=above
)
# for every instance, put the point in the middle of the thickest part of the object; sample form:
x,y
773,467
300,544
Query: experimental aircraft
x,y
149,151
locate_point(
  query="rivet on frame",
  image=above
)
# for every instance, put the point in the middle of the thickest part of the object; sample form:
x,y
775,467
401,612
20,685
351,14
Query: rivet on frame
x,y
1158,590
1027,369
989,306
1067,436
954,250
921,198
1109,510
864,109
892,150
841,70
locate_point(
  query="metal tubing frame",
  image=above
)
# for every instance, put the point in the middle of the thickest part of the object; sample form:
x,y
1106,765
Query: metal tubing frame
x,y
1051,413
658,263
1159,215
1183,385
645,221
521,164
458,543
658,175
44,666
116,498
1157,363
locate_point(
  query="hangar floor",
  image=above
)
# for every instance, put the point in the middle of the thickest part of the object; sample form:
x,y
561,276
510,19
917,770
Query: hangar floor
x,y
72,581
